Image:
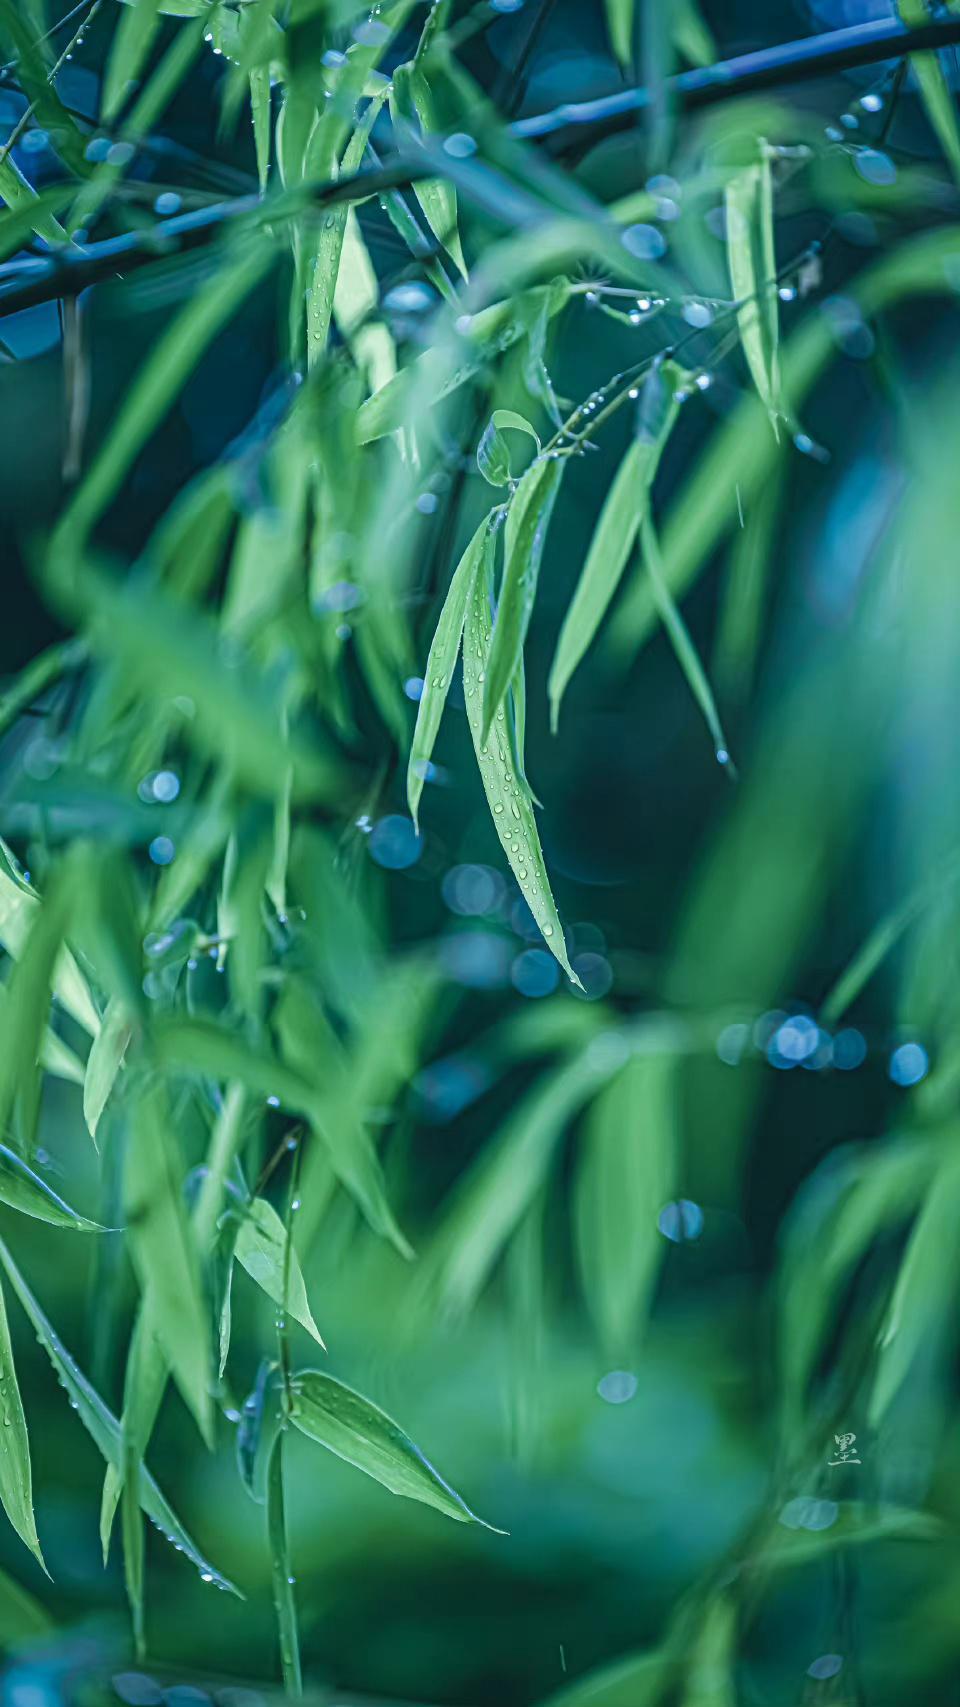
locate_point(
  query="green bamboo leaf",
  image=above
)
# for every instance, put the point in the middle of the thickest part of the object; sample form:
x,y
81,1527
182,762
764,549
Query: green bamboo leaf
x,y
20,196
19,907
145,1382
506,794
412,104
741,615
159,381
627,1172
527,521
493,453
828,1233
24,1190
441,661
104,1063
692,39
751,258
164,1254
616,531
359,1432
709,1680
280,1572
261,1248
104,1429
679,636
934,89
16,1480
441,370
882,940
27,1008
132,41
326,266
924,1294
204,1047
620,30
259,76
256,1431
491,1199
22,1618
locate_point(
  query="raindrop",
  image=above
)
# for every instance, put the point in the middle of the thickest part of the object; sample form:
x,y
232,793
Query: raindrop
x,y
618,1387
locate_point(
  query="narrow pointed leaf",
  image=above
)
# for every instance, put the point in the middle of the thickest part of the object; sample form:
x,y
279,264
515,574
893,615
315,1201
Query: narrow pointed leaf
x,y
359,1432
16,1481
104,1428
22,1189
260,1248
164,1253
441,663
626,1174
506,794
687,655
104,1063
753,267
527,521
281,1575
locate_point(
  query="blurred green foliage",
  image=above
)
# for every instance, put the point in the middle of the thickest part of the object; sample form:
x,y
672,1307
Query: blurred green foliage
x,y
533,1082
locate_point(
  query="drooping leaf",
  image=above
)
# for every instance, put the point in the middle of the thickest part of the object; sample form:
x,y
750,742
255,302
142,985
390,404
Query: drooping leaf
x,y
22,1189
16,1480
626,1174
164,1253
412,105
441,662
753,275
924,1293
506,794
104,1428
620,30
935,91
27,1009
528,519
359,1432
679,636
261,1248
493,452
132,40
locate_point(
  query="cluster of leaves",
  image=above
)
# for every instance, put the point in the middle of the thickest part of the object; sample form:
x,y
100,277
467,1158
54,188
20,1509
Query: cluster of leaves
x,y
191,998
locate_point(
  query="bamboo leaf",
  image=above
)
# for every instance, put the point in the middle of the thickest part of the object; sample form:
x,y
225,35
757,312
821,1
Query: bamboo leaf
x,y
24,1190
164,1254
441,661
934,89
627,1172
104,1428
104,1063
506,793
686,653
924,1293
132,41
620,30
261,1248
16,1480
412,103
360,1433
19,906
281,1574
753,275
527,521
493,452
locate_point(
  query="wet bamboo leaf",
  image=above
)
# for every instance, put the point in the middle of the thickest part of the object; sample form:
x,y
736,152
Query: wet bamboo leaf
x,y
626,1174
493,452
753,268
412,104
326,264
104,1428
253,1427
528,519
282,1577
16,1479
441,662
164,1254
24,1190
359,1432
259,76
260,1248
506,794
20,196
